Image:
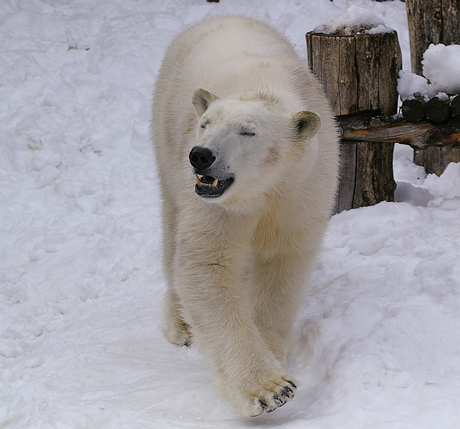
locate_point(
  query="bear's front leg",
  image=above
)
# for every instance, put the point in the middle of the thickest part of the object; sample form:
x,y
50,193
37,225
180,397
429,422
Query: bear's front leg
x,y
175,329
209,274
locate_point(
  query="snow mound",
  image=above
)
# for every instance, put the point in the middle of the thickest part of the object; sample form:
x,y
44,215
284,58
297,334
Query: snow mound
x,y
357,20
441,65
440,74
411,83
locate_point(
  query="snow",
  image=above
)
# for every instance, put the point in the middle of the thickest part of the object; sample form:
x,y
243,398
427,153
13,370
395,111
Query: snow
x,y
81,282
410,83
356,20
440,74
441,65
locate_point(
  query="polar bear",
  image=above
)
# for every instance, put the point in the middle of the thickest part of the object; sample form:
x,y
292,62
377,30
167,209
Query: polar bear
x,y
246,148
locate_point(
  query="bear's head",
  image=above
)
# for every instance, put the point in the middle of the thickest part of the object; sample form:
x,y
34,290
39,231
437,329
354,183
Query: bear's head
x,y
248,145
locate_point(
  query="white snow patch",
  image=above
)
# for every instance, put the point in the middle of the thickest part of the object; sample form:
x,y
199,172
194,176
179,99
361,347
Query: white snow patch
x,y
410,84
441,65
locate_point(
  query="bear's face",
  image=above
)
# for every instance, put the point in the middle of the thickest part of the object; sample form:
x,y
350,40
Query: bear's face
x,y
245,145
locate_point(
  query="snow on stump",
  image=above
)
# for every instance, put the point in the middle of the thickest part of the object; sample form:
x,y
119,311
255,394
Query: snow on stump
x,y
357,60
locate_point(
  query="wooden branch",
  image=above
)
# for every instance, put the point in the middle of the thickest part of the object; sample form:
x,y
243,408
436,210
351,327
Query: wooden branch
x,y
421,135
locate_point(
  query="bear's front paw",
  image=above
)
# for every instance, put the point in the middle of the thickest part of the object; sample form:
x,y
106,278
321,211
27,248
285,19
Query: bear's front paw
x,y
178,332
269,396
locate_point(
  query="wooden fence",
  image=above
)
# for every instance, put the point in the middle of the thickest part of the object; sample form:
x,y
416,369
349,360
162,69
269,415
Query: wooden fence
x,y
359,76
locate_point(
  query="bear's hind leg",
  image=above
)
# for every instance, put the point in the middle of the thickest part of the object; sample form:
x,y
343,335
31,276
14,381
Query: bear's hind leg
x,y
176,330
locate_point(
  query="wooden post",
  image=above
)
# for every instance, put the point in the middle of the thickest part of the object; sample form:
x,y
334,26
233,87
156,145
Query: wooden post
x,y
359,73
432,21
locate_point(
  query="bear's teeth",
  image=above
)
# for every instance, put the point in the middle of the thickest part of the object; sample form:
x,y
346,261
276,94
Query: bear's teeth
x,y
209,185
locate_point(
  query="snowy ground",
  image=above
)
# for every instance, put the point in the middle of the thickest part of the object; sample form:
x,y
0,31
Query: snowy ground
x,y
81,284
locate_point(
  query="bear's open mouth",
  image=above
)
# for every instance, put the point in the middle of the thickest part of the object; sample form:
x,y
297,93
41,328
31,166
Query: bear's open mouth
x,y
210,187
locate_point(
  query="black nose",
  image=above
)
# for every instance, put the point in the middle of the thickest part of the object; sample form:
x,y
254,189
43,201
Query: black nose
x,y
201,158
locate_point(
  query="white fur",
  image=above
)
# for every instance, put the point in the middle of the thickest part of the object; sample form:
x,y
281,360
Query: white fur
x,y
237,265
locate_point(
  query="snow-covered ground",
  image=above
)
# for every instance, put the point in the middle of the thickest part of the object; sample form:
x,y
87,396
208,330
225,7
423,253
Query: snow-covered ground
x,y
81,282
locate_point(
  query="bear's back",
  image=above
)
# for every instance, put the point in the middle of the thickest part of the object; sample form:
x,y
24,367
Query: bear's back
x,y
229,36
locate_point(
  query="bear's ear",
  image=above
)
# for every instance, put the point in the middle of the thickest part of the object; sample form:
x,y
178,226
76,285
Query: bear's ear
x,y
201,100
306,124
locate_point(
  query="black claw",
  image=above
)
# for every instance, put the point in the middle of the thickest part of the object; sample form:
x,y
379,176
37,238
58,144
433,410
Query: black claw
x,y
263,404
270,410
278,400
292,384
285,393
288,390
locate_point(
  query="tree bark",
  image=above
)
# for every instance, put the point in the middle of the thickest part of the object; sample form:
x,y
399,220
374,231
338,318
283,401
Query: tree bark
x,y
432,21
435,159
359,73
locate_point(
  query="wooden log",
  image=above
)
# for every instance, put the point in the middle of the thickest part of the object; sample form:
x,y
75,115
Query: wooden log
x,y
436,159
438,110
413,110
359,73
450,22
425,27
455,106
341,62
374,159
432,21
420,136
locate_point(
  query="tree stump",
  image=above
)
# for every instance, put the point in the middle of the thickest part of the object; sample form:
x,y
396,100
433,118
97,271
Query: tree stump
x,y
432,21
359,73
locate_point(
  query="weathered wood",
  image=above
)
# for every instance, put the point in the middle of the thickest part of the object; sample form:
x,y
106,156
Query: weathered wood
x,y
413,110
425,27
432,21
359,73
420,136
438,110
332,59
435,159
374,174
341,62
455,106
346,189
450,22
